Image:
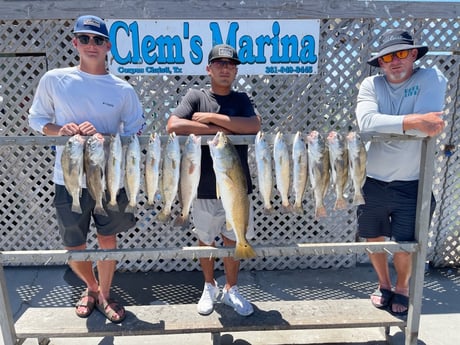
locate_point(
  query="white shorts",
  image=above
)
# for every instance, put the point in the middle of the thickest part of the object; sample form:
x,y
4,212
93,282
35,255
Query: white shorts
x,y
209,220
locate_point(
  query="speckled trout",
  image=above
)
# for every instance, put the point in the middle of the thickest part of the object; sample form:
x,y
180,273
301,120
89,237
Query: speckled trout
x,y
357,157
264,170
233,191
152,167
170,173
318,170
282,170
114,170
95,171
338,158
190,170
72,168
299,170
132,172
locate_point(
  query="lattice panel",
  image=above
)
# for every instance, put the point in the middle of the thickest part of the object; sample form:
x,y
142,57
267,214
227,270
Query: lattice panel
x,y
325,101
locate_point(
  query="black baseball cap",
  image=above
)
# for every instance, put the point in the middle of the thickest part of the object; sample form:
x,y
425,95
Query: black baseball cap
x,y
223,51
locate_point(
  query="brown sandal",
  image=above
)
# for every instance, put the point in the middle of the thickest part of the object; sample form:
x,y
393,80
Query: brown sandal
x,y
110,309
88,300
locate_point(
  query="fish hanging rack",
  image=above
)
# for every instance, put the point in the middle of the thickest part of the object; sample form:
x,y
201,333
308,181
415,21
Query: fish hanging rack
x,y
143,139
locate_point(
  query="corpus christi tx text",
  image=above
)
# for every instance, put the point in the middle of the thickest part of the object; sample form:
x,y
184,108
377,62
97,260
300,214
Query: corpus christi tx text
x,y
165,49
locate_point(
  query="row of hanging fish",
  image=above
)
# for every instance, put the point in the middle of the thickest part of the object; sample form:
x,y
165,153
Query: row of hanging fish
x,y
108,167
315,160
166,170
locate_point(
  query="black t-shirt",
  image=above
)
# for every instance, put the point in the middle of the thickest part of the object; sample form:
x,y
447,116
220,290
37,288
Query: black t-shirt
x,y
234,104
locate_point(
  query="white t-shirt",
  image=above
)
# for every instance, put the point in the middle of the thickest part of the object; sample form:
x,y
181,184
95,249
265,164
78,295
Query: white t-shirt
x,y
69,95
381,108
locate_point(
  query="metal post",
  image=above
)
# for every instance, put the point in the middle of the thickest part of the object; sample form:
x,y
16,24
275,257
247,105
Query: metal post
x,y
6,321
422,224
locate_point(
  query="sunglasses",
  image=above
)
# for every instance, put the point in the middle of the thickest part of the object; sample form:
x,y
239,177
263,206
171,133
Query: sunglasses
x,y
402,54
220,64
98,40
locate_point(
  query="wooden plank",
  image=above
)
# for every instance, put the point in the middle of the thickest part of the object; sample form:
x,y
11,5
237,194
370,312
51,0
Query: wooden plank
x,y
223,9
48,257
183,318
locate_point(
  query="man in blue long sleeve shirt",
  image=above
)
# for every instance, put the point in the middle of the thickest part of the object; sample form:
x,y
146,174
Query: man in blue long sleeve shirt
x,y
404,100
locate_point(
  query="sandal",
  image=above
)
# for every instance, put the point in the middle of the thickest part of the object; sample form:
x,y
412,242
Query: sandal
x,y
401,300
385,296
88,300
111,309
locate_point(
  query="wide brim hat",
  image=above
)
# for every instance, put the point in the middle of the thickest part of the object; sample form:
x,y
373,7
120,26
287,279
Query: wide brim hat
x,y
395,40
223,51
90,25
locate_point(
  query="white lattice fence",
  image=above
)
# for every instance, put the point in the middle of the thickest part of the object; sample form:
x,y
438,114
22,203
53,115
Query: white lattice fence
x,y
324,101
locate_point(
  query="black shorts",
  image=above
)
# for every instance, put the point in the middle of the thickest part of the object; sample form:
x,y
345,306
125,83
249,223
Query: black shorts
x,y
74,227
389,210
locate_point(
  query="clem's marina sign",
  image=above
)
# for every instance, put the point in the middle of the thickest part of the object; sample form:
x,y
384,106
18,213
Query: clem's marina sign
x,y
180,47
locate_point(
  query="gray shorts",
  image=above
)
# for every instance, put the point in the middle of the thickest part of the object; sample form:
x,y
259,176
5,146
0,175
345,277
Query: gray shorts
x,y
74,227
209,220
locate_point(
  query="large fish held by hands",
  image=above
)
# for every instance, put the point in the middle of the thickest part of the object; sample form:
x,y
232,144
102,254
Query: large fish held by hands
x,y
95,171
72,168
357,157
338,157
264,170
232,190
169,176
190,170
318,169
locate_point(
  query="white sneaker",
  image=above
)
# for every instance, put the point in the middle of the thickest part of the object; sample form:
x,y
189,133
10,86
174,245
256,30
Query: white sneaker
x,y
208,298
233,299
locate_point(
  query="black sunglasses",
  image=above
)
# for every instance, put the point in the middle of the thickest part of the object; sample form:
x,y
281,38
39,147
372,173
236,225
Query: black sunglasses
x,y
98,40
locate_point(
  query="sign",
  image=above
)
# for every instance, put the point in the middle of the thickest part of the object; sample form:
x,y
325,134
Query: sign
x,y
181,47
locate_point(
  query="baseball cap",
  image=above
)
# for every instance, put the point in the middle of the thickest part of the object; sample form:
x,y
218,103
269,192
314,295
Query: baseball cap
x,y
91,25
223,51
395,40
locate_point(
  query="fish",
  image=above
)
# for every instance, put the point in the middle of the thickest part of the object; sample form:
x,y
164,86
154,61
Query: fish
x,y
233,191
152,167
170,172
357,157
114,170
190,171
132,172
318,170
94,163
263,157
299,170
338,159
282,170
72,168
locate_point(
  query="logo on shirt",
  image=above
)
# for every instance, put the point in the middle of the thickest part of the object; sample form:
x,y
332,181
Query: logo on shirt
x,y
412,91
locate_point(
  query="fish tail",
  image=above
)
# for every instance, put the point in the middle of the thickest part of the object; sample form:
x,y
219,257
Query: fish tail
x,y
244,251
163,216
130,208
76,208
100,211
297,209
181,221
113,206
340,204
268,210
358,199
320,212
286,209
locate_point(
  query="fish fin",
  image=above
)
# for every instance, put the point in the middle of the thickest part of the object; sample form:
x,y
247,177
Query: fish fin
x,y
181,221
100,211
244,251
163,216
113,207
76,208
340,204
358,199
320,212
